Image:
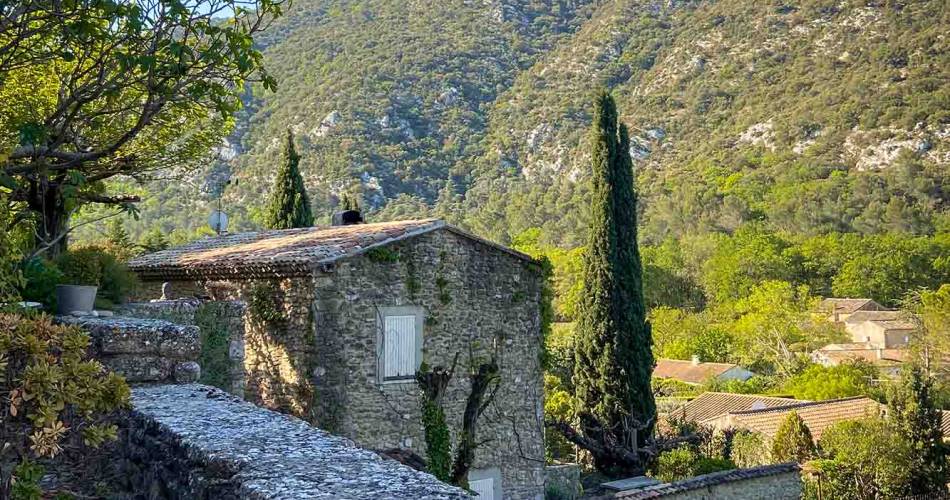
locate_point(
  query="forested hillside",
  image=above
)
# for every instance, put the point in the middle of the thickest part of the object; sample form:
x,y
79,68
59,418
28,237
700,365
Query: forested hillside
x,y
812,117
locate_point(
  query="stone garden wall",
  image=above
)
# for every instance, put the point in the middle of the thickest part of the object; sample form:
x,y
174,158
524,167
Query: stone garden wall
x,y
143,350
772,482
195,441
221,328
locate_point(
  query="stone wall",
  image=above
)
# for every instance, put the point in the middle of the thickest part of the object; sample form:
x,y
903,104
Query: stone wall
x,y
477,301
563,481
142,350
221,327
194,441
772,482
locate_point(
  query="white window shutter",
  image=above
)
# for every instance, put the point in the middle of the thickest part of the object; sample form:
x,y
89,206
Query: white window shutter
x,y
399,356
483,488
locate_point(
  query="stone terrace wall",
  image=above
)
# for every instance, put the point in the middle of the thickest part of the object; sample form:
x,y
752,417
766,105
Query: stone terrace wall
x,y
221,326
194,441
772,482
142,350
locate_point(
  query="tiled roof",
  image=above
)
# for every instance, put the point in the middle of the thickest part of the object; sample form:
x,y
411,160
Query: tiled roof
x,y
843,352
860,316
283,251
818,415
706,481
687,371
843,305
713,404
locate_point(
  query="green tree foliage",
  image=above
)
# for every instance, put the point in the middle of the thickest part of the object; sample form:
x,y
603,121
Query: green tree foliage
x,y
117,236
96,90
55,397
289,206
614,360
793,441
685,462
749,449
913,414
154,241
818,382
870,460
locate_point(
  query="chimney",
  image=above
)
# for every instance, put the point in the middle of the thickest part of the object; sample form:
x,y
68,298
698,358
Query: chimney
x,y
347,218
695,360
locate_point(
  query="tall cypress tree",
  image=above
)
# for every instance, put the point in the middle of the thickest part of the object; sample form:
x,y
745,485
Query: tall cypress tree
x,y
915,415
289,206
614,361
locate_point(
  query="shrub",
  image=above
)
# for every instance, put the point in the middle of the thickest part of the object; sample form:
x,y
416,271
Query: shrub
x,y
97,267
685,462
41,276
878,458
80,267
54,398
793,441
748,449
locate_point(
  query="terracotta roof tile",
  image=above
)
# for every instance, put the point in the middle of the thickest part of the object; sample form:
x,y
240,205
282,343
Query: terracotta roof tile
x,y
688,372
860,316
843,352
818,415
706,481
843,305
285,251
713,404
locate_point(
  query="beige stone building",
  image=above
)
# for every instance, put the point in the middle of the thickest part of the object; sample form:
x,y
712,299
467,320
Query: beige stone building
x,y
880,329
339,319
840,309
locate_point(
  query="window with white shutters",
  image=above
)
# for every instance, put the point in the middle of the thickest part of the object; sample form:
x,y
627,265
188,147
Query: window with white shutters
x,y
399,347
483,488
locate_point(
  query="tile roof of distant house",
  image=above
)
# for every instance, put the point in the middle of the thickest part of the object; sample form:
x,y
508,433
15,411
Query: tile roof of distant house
x,y
713,404
844,305
875,316
817,415
285,251
843,352
690,372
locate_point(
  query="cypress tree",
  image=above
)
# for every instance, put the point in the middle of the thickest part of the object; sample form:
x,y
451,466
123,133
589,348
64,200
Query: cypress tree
x,y
289,206
793,441
914,414
614,361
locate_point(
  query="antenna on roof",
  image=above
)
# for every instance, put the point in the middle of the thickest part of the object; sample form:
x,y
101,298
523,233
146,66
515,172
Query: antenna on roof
x,y
218,220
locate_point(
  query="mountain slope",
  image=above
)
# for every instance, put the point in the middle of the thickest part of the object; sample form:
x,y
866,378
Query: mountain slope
x,y
806,117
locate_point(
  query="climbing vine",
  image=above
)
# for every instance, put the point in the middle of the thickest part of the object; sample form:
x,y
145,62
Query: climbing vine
x,y
263,303
215,360
382,254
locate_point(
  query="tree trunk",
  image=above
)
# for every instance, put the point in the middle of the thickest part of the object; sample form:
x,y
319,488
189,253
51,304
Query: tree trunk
x,y
484,378
47,202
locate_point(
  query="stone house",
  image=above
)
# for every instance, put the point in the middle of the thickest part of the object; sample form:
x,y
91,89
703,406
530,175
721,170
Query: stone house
x,y
339,318
888,361
839,309
695,372
880,329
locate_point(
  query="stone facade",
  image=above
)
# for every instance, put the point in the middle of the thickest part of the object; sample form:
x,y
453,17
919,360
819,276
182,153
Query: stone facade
x,y
194,441
563,481
772,482
221,327
142,350
312,345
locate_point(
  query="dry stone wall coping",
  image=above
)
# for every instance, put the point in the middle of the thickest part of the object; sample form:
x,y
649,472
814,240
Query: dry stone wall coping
x,y
272,455
716,479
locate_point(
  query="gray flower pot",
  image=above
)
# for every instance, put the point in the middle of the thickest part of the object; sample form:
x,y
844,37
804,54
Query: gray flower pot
x,y
71,298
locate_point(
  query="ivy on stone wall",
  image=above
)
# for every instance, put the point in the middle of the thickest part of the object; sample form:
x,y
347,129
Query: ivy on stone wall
x,y
382,254
263,303
212,320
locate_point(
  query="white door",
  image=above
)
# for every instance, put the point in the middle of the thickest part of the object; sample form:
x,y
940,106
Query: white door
x,y
483,488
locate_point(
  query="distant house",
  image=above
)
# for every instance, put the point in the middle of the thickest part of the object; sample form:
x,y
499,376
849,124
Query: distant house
x,y
882,329
695,372
888,361
711,405
817,415
839,309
